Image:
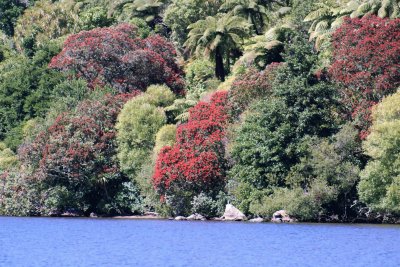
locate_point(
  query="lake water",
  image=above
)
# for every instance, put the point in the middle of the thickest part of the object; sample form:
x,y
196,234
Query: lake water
x,y
108,242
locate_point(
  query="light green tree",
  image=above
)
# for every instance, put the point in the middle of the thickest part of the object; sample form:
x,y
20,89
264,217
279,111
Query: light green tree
x,y
379,187
137,126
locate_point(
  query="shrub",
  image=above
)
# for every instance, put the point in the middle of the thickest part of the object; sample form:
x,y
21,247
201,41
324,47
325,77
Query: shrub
x,y
95,17
138,123
165,137
200,77
379,187
8,158
271,139
204,205
276,131
17,196
366,64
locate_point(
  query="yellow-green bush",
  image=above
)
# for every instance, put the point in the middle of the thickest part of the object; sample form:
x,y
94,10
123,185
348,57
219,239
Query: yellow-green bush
x,y
379,187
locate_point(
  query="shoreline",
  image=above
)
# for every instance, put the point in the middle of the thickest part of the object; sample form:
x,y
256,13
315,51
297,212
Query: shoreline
x,y
159,218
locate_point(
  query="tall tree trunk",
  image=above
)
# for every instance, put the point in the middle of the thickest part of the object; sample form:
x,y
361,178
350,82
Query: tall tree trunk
x,y
252,20
219,64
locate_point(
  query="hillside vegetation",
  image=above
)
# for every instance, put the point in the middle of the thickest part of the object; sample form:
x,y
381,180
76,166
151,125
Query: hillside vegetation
x,y
182,106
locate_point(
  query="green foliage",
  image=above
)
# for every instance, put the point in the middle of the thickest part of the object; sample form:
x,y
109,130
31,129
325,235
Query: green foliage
x,y
147,10
204,205
255,13
276,131
44,21
26,87
215,38
326,18
179,110
17,197
166,136
95,17
182,13
198,74
379,187
143,30
138,123
8,159
10,10
262,50
302,205
159,95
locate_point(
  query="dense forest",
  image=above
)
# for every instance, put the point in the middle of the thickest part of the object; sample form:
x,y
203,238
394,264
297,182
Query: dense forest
x,y
182,106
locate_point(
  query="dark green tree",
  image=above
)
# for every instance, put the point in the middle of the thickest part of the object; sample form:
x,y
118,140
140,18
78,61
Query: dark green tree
x,y
10,10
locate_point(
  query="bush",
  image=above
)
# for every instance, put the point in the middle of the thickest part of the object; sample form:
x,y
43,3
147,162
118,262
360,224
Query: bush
x,y
204,205
17,196
304,206
379,187
165,137
8,159
365,64
271,139
200,77
276,132
138,123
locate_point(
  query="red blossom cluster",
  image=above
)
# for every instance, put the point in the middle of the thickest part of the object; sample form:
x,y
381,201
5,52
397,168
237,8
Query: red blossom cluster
x,y
366,64
114,57
197,158
79,145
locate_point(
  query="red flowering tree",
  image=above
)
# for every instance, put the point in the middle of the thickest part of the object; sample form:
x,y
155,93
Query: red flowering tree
x,y
76,155
114,57
195,164
366,64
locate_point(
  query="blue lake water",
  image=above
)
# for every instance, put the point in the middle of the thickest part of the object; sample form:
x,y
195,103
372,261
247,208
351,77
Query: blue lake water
x,y
111,242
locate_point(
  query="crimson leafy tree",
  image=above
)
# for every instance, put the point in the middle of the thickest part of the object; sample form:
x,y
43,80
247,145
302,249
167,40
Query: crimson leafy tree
x,y
115,57
366,63
195,164
75,161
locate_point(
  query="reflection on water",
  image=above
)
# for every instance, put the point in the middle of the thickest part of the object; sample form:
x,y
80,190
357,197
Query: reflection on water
x,y
107,242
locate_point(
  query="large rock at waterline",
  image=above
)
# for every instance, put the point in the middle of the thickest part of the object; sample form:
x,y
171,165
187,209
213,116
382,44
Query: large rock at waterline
x,y
196,217
281,216
233,214
180,218
257,220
